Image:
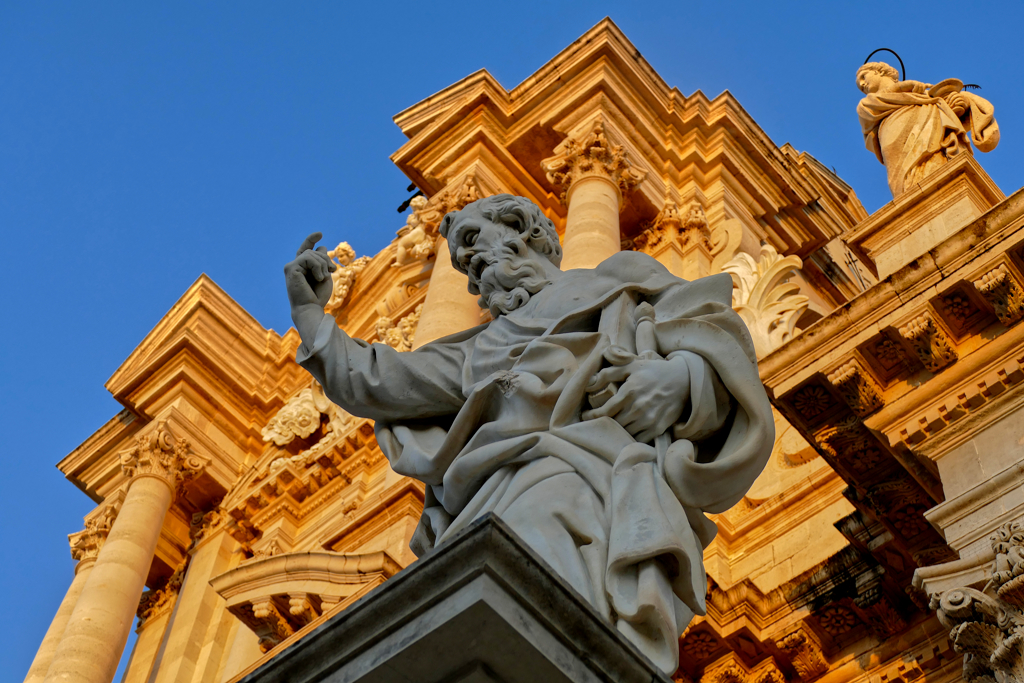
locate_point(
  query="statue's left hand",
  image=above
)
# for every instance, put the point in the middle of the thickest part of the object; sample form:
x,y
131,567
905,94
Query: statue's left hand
x,y
651,399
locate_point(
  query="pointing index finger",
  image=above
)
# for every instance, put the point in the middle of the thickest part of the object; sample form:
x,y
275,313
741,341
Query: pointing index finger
x,y
309,242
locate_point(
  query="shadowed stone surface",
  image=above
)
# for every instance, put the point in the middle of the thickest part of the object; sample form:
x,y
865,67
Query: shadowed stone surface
x,y
482,607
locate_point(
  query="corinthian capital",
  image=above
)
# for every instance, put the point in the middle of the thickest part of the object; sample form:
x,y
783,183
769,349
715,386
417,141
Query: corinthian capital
x,y
587,155
159,455
87,543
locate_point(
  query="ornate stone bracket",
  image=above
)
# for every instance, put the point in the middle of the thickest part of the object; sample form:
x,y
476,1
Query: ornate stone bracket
x,y
731,669
268,623
589,154
932,346
857,387
804,652
987,626
1004,292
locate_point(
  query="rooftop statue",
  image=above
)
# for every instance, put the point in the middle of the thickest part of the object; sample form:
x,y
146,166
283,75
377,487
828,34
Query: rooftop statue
x,y
914,128
600,413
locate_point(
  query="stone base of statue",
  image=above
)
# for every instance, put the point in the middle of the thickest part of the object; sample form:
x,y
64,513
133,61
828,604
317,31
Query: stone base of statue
x,y
478,609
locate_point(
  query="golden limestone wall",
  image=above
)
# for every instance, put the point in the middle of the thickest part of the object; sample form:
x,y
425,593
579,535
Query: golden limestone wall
x,y
258,509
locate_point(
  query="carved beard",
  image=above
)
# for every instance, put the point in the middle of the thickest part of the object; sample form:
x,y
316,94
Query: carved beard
x,y
511,277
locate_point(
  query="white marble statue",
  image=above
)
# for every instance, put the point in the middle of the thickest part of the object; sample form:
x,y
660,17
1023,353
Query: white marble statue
x,y
914,128
600,413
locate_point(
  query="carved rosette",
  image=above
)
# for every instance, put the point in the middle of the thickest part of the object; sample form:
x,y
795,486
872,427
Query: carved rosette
x,y
158,455
857,388
1002,290
933,348
804,653
587,155
987,626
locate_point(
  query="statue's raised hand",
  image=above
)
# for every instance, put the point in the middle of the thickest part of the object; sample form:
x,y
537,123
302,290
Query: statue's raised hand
x,y
308,277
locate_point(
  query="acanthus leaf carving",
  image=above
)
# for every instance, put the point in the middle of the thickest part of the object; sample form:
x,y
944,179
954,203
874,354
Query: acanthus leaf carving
x,y
933,348
1003,291
589,154
86,544
156,601
269,624
804,653
857,387
159,455
672,224
987,626
769,304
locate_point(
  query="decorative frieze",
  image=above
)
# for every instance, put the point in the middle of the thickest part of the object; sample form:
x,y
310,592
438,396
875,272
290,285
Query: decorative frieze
x,y
987,626
589,154
932,346
857,388
158,455
1004,292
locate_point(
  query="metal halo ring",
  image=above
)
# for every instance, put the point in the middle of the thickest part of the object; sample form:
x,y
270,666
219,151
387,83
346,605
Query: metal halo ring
x,y
903,69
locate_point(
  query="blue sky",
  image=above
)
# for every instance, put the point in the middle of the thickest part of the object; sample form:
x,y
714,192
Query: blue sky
x,y
142,144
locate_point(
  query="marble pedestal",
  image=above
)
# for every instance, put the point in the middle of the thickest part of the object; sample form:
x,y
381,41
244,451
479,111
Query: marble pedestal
x,y
480,609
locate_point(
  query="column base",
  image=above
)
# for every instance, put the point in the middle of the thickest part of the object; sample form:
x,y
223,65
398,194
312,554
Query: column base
x,y
481,608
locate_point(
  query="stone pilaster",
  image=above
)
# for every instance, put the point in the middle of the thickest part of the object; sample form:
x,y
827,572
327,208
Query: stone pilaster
x,y
98,626
594,175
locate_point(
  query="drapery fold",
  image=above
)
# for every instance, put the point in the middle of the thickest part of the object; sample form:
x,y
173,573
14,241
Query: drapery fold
x,y
490,420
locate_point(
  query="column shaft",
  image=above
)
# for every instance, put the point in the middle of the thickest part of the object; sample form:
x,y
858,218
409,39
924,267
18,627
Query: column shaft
x,y
449,307
98,627
592,224
44,656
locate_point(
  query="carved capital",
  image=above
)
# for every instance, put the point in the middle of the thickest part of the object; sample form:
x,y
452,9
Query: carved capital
x,y
689,227
589,154
933,348
857,388
987,626
1004,292
804,653
86,544
159,455
156,601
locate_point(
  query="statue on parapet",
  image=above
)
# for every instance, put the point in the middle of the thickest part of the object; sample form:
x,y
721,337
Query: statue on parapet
x,y
914,128
600,414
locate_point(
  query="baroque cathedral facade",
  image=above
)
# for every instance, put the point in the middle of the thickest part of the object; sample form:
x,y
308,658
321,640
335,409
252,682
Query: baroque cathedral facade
x,y
237,509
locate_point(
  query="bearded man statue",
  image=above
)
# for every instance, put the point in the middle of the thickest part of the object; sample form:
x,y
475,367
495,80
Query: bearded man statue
x,y
913,128
600,414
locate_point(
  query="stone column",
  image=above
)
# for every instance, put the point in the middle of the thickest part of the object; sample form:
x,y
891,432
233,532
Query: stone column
x,y
85,546
449,307
98,627
594,175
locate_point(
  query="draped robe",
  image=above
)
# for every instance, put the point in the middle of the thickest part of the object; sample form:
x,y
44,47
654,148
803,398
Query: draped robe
x,y
489,419
913,130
